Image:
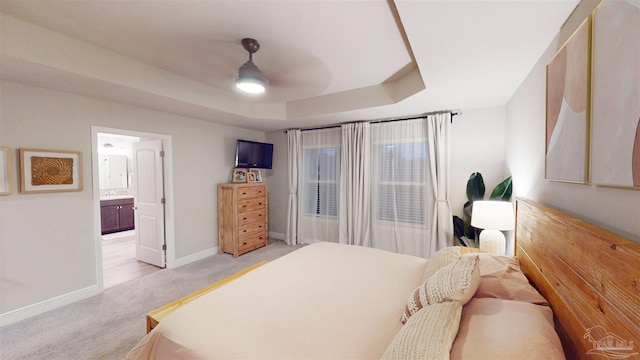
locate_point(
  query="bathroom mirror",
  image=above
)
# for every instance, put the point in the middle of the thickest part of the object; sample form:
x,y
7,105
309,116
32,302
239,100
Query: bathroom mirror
x,y
113,172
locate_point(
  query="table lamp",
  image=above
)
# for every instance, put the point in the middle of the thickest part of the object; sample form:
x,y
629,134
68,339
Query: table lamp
x,y
492,216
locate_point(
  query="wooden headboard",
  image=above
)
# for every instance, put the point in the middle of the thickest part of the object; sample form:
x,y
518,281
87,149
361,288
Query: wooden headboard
x,y
591,278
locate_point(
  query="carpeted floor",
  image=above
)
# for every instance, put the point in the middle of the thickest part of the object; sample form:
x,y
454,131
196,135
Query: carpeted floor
x,y
108,325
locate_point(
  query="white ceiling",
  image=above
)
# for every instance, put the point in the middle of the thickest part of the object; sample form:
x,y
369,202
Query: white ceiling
x,y
328,61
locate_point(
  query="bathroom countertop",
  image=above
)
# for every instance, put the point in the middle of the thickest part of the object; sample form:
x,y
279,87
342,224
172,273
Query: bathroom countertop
x,y
116,197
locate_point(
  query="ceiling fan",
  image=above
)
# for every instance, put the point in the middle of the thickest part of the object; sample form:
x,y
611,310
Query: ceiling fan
x,y
250,79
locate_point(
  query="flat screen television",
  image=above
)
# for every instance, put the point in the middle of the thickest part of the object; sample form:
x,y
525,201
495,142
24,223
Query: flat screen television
x,y
252,154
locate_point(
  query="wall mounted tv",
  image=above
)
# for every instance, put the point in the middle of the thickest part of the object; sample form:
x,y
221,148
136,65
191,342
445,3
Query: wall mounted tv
x,y
252,154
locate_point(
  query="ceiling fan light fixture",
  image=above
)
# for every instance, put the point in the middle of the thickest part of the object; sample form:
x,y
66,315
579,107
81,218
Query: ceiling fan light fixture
x,y
250,79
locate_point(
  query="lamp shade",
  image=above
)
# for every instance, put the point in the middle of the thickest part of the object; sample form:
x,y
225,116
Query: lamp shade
x,y
493,215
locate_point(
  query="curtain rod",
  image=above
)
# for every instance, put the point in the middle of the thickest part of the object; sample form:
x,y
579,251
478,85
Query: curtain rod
x,y
452,112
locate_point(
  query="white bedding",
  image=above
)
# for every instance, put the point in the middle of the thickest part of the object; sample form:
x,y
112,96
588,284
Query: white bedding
x,y
323,301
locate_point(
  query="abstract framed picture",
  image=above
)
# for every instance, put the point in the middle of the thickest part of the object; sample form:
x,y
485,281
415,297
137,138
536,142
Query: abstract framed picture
x,y
5,171
615,104
567,111
43,171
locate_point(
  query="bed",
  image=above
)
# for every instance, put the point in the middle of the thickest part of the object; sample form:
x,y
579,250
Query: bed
x,y
330,301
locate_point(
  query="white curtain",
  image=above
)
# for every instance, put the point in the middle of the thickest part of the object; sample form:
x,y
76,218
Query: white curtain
x,y
293,148
318,186
383,185
355,191
402,198
440,156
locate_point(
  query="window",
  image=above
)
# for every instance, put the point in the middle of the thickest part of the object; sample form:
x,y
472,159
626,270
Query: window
x,y
402,182
321,175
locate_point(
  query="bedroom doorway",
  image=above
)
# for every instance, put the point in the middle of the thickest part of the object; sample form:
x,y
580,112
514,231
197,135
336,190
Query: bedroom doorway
x,y
131,184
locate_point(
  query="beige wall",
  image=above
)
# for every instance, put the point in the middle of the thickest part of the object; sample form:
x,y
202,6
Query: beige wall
x,y
477,145
278,184
47,243
477,138
614,209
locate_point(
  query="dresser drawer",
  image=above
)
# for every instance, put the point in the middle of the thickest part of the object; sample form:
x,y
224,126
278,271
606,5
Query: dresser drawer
x,y
246,229
252,242
252,217
248,192
251,204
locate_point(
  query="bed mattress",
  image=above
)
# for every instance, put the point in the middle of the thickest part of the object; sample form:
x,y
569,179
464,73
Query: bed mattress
x,y
324,300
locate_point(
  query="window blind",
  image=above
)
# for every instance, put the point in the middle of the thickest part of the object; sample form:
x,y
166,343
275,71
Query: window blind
x,y
401,182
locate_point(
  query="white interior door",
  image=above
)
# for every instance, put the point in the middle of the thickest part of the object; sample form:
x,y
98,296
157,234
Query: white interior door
x,y
148,190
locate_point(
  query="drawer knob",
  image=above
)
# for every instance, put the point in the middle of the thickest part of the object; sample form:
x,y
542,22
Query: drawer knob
x,y
244,218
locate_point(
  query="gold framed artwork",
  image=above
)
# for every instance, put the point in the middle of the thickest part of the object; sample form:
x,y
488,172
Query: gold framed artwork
x,y
568,112
239,175
615,106
254,175
5,171
44,171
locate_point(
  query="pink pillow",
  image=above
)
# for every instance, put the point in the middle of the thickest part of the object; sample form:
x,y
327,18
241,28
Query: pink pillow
x,y
502,278
505,329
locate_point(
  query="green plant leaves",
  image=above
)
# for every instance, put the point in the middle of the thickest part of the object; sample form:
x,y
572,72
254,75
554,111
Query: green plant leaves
x,y
502,191
475,187
469,231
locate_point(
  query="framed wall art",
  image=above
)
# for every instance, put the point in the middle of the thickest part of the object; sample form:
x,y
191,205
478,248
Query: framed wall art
x,y
567,112
5,171
239,175
50,171
615,137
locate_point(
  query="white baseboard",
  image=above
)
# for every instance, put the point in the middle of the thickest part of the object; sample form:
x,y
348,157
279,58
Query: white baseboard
x,y
276,235
26,312
195,257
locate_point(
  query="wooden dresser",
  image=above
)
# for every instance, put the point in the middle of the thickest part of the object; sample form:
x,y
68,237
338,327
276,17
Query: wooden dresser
x,y
242,217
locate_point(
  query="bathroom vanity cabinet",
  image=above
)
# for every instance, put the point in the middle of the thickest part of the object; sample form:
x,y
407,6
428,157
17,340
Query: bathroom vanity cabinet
x,y
116,215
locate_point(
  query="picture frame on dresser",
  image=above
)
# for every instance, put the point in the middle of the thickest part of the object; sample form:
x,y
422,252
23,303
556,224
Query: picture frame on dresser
x,y
5,171
45,171
255,174
239,175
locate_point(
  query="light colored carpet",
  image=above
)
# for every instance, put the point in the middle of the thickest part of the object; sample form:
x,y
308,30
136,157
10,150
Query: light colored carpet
x,y
108,325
